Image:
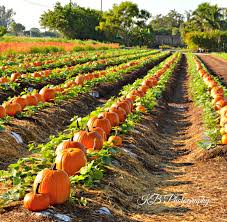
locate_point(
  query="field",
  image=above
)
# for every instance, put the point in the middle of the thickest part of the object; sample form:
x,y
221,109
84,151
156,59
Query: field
x,y
113,135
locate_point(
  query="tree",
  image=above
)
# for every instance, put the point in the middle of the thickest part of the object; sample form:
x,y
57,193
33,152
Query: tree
x,y
167,24
2,31
35,32
123,21
72,21
17,28
6,16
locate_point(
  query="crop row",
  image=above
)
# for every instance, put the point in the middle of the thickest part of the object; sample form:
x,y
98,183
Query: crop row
x,y
52,61
32,102
113,120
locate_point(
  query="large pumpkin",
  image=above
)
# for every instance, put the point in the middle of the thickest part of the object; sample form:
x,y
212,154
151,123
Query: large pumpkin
x,y
70,144
112,117
89,139
35,201
12,108
48,94
71,160
101,132
54,182
101,122
124,105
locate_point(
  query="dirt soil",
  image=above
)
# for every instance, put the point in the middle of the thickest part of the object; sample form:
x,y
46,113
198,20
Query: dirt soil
x,y
216,66
158,157
51,120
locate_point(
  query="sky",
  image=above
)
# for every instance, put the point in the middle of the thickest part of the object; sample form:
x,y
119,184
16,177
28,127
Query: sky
x,y
29,11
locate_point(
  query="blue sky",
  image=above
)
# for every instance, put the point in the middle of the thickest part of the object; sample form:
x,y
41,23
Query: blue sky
x,y
29,11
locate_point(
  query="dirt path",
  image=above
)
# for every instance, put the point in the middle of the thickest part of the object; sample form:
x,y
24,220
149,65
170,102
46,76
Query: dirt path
x,y
182,176
217,66
157,160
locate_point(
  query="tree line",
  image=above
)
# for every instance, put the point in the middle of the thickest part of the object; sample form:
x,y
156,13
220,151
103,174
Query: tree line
x,y
125,23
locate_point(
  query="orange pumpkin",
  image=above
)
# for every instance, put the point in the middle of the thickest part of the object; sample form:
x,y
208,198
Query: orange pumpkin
x,y
47,94
120,112
115,140
101,132
112,117
123,105
4,79
38,97
31,100
79,80
141,108
70,144
35,201
101,122
54,182
89,139
2,112
12,108
71,160
22,101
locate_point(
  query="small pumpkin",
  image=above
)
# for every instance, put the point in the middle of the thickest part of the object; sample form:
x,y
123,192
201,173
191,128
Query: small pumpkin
x,y
71,160
15,76
4,80
141,109
54,182
124,105
35,201
224,139
115,140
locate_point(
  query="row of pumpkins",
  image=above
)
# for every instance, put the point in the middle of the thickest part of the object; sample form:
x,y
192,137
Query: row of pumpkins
x,y
219,100
52,186
42,74
17,104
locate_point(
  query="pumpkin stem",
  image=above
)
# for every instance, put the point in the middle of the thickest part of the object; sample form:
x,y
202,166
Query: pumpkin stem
x,y
71,139
77,124
94,145
37,188
87,129
54,166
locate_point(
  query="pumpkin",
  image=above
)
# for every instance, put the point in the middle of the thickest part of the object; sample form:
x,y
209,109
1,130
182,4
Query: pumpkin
x,y
89,139
101,122
35,201
12,108
71,160
141,108
54,182
224,139
47,94
130,102
38,97
120,112
115,140
15,76
31,100
123,105
4,79
70,144
2,112
222,131
101,132
22,101
112,117
79,80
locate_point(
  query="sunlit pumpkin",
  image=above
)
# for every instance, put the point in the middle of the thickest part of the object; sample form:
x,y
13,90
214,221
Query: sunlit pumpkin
x,y
224,139
12,108
70,144
71,160
120,112
112,117
48,94
35,201
54,182
2,112
31,100
89,139
115,140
